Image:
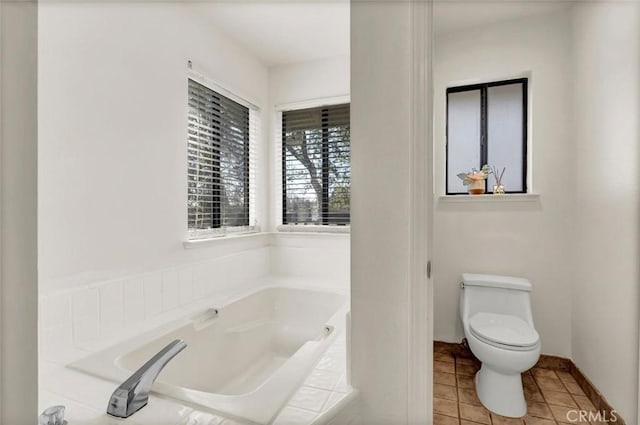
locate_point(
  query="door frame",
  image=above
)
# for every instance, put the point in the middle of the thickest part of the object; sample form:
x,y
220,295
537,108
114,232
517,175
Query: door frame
x,y
420,362
18,212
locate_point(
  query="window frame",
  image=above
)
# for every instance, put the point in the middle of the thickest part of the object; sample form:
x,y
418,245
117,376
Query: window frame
x,y
283,109
196,234
483,87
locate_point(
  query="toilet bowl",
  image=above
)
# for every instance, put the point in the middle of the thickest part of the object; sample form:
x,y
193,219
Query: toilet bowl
x,y
498,324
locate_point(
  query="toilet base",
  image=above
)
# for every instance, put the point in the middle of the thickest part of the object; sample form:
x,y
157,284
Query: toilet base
x,y
500,393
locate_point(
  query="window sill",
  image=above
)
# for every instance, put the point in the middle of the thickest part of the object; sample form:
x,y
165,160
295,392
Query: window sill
x,y
490,198
310,228
199,243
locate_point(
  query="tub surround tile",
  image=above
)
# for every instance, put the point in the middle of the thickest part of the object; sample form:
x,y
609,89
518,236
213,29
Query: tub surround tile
x,y
334,399
332,362
185,284
234,422
86,317
85,303
111,308
57,344
170,290
202,418
55,311
323,379
200,281
294,416
133,302
342,386
152,295
310,398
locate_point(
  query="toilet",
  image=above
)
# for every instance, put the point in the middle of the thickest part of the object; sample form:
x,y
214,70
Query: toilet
x,y
498,324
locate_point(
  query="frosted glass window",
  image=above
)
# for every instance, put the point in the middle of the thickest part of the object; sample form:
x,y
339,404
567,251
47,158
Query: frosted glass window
x,y
463,137
505,144
487,124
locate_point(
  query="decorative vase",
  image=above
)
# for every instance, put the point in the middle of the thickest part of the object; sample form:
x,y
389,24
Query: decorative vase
x,y
476,187
498,189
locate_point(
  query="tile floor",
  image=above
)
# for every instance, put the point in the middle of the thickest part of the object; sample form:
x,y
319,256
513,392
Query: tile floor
x,y
550,396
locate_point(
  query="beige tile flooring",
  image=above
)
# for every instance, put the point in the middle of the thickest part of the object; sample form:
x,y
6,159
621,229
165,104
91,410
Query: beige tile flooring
x,y
550,395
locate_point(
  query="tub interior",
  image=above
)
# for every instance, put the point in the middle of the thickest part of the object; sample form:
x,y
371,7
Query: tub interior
x,y
235,351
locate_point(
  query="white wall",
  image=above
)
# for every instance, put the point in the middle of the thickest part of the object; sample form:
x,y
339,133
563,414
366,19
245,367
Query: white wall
x,y
529,238
381,130
112,169
606,105
320,257
18,239
112,157
310,80
113,92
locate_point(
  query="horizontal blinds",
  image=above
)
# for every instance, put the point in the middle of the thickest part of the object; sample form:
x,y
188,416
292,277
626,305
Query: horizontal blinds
x,y
218,149
316,162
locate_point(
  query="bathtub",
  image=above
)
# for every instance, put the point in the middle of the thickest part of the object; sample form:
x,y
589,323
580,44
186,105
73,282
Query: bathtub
x,y
243,359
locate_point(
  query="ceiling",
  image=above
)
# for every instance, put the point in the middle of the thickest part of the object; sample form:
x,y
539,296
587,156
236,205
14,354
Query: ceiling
x,y
282,32
455,15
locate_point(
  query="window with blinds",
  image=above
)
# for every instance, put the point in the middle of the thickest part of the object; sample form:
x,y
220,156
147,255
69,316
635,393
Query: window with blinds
x,y
218,162
316,166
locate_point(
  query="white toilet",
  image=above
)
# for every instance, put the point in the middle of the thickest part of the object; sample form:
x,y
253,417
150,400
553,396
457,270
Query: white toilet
x,y
498,324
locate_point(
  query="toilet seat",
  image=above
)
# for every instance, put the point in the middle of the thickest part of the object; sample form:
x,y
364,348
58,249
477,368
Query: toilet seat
x,y
504,331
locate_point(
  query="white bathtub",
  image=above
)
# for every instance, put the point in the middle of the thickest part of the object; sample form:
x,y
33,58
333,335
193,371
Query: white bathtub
x,y
244,358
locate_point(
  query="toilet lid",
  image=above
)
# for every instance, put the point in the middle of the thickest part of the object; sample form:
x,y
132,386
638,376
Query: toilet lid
x,y
503,329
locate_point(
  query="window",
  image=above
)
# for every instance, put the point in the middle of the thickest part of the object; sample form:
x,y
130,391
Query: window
x,y
487,124
316,166
218,163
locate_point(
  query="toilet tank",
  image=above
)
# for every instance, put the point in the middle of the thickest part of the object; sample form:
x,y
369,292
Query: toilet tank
x,y
495,294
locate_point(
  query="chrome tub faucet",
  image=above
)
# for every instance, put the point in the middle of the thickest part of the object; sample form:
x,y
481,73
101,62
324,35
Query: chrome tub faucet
x,y
133,394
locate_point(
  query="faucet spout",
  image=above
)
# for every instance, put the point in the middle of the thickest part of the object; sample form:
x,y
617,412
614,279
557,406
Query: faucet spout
x,y
133,394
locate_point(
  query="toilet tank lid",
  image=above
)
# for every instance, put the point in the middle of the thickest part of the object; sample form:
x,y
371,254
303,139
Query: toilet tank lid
x,y
495,281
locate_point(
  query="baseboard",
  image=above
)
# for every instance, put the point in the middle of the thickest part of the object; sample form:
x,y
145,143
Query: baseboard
x,y
546,362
